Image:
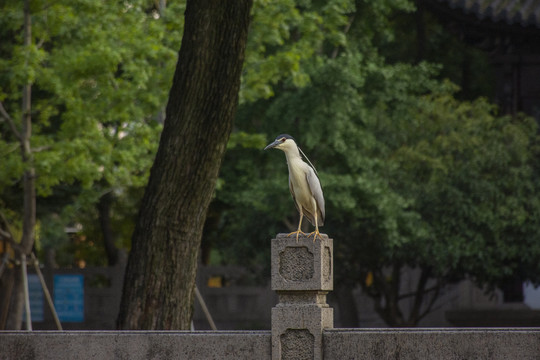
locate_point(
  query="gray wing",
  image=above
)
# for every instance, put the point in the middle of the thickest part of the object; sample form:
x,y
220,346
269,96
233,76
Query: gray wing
x,y
291,189
316,191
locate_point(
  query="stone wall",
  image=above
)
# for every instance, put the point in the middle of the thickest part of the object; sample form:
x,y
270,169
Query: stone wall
x,y
134,345
440,344
302,328
350,344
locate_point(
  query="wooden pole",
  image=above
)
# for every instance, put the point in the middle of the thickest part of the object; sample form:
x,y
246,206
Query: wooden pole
x,y
205,309
46,292
26,294
5,259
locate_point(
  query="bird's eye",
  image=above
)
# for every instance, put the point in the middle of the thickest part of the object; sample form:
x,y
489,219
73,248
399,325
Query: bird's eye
x,y
283,139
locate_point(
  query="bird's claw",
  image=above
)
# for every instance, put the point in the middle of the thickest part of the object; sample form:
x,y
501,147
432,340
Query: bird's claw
x,y
297,233
315,234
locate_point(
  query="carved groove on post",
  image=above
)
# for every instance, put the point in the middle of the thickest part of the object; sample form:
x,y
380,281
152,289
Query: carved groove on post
x,y
327,265
296,263
297,344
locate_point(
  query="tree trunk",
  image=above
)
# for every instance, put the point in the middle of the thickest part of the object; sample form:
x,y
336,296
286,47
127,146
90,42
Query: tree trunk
x,y
104,211
29,189
6,285
420,32
347,306
160,275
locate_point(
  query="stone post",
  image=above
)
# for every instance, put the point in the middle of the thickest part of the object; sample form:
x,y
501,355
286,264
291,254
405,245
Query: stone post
x,y
302,275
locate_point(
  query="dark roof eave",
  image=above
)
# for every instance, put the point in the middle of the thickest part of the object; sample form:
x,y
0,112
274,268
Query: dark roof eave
x,y
483,21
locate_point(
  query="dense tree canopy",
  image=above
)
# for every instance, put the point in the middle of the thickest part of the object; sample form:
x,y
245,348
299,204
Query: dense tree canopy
x,y
417,171
90,136
413,177
79,134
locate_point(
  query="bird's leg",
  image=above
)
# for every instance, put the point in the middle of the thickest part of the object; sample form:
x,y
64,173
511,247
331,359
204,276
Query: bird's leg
x,y
297,232
316,232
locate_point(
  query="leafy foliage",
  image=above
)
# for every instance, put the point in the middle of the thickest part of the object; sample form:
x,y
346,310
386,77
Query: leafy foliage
x,y
98,82
412,176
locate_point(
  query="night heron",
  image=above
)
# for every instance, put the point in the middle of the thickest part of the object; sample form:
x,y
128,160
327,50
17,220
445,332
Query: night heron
x,y
304,185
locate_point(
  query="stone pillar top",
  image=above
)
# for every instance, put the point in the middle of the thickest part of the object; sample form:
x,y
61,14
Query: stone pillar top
x,y
305,265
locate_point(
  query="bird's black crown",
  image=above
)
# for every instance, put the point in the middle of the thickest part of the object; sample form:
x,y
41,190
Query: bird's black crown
x,y
286,136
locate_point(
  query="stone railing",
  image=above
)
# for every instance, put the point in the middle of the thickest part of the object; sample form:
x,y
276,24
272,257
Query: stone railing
x,y
302,328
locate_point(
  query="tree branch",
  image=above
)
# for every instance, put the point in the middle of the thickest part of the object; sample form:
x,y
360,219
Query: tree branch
x,y
380,285
40,43
12,149
6,234
419,297
426,291
395,310
11,241
10,122
345,31
4,224
41,148
431,303
385,302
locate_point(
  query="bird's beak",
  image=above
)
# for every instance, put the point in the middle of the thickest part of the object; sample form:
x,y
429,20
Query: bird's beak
x,y
274,144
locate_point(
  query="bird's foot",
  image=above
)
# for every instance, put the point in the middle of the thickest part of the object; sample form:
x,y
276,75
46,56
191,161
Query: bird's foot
x,y
297,233
315,234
